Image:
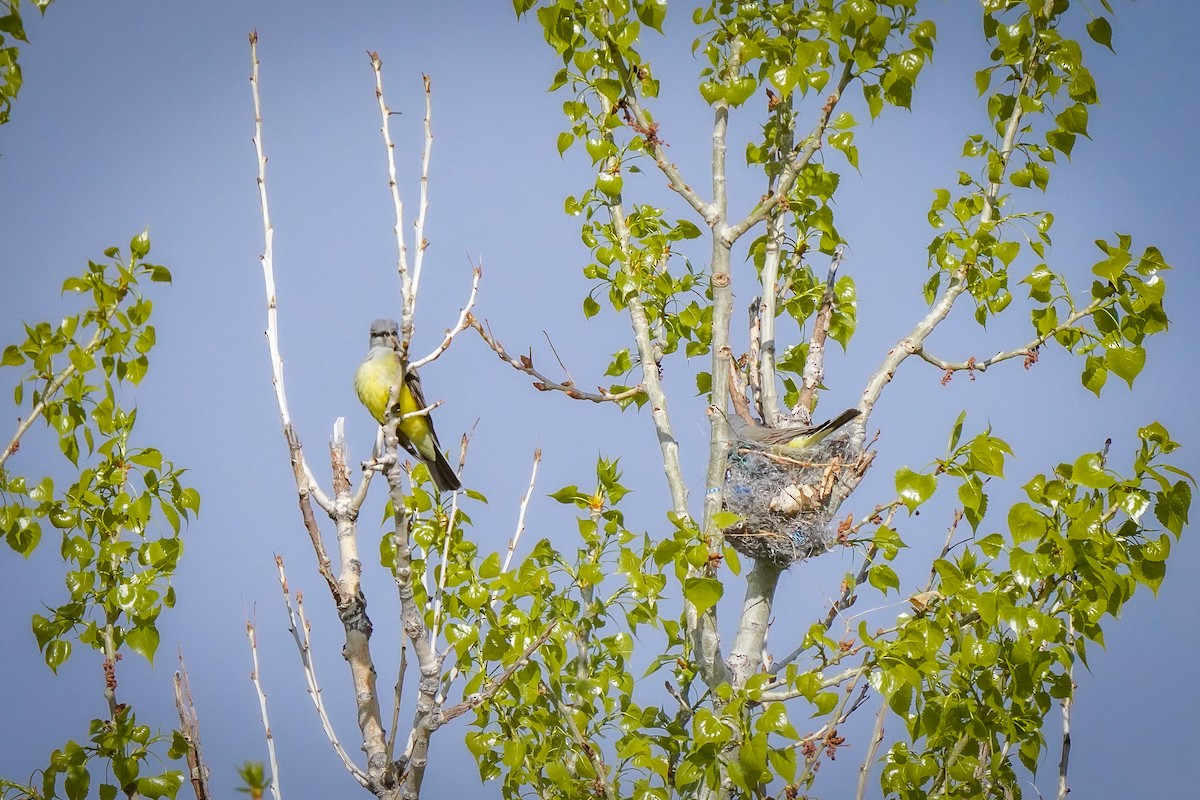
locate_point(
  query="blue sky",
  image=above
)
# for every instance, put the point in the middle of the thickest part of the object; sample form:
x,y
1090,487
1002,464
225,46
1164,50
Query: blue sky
x,y
137,114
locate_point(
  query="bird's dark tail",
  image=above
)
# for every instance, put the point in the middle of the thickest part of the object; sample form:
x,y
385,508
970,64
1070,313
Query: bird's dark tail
x,y
442,474
841,419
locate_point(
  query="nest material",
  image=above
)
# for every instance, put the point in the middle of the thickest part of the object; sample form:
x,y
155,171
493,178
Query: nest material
x,y
782,497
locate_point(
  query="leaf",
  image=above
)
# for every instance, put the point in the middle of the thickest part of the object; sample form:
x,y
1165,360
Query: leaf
x,y
1171,507
883,577
652,13
12,357
914,488
956,432
139,246
1101,32
143,640
1095,374
703,593
565,140
1088,470
568,494
1125,362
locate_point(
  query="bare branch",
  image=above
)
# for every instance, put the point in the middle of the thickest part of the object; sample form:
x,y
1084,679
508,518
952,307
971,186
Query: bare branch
x,y
306,484
1028,351
869,759
516,537
423,201
479,698
1063,787
746,655
262,697
544,384
299,628
814,364
189,728
464,321
408,289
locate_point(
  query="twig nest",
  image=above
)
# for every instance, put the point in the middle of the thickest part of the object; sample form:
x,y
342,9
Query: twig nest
x,y
782,496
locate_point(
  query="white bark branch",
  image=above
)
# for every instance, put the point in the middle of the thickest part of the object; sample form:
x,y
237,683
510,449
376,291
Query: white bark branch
x,y
262,708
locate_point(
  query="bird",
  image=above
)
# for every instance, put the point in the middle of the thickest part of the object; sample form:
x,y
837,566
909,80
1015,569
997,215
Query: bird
x,y
374,381
793,436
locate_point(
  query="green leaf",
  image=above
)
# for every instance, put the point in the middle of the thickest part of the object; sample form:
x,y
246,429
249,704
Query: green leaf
x,y
1095,374
1125,362
565,140
12,357
883,577
139,246
1088,470
652,13
164,785
1101,32
703,593
956,432
1171,507
914,488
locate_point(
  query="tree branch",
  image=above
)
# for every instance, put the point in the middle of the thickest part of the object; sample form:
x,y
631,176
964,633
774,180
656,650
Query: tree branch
x,y
814,364
23,426
800,158
299,628
464,321
1028,351
915,341
306,484
262,707
189,728
544,384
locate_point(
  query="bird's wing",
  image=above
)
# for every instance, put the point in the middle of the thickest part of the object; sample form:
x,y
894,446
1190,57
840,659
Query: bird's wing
x,y
414,387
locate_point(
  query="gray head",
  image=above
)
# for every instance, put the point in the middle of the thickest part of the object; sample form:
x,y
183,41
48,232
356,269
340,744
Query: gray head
x,y
382,329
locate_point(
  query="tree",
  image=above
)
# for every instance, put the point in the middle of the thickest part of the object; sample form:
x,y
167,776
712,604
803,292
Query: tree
x,y
120,517
543,652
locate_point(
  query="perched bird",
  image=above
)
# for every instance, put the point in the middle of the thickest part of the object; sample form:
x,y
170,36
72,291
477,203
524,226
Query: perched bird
x,y
794,437
376,376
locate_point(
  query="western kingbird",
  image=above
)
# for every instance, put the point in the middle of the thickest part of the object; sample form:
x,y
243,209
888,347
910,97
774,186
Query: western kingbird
x,y
374,381
794,437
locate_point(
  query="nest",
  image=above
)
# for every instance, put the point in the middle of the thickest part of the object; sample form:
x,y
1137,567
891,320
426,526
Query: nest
x,y
782,497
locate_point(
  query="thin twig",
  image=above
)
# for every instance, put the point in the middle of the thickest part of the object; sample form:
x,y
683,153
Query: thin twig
x,y
1028,351
439,597
814,364
864,771
544,384
601,784
407,289
423,197
1063,787
262,707
47,396
464,320
639,120
306,483
801,155
516,537
299,628
915,341
189,728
